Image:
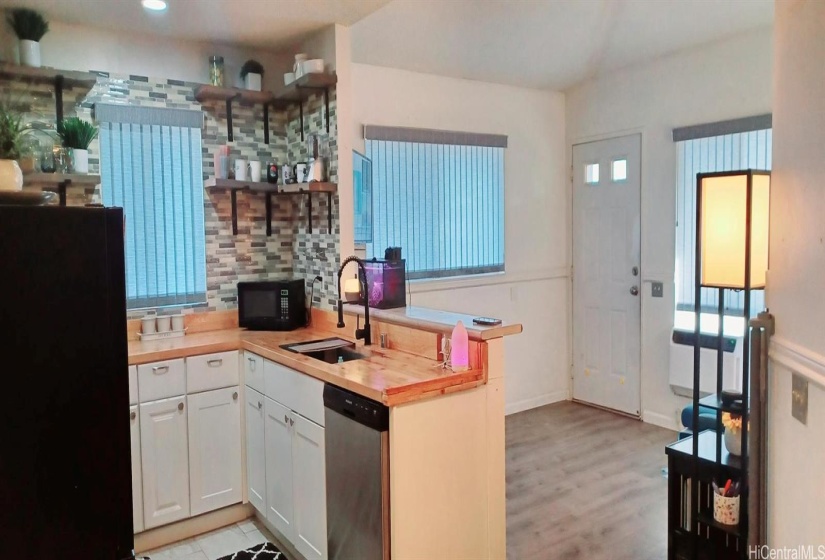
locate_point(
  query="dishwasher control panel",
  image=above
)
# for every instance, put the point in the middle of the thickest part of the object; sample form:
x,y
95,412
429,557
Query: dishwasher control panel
x,y
360,409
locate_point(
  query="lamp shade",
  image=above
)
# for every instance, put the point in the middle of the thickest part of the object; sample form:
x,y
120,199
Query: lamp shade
x,y
726,201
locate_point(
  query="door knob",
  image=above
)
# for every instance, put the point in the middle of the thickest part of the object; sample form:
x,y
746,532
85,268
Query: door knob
x,y
235,396
180,406
634,290
133,415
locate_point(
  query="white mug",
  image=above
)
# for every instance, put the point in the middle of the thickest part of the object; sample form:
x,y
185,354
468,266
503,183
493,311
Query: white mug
x,y
255,171
164,323
240,169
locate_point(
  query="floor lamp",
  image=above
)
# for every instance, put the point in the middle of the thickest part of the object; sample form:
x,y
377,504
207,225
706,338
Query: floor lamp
x,y
732,212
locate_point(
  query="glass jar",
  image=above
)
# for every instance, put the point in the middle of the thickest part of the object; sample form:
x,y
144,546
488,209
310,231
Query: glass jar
x,y
216,70
61,160
47,160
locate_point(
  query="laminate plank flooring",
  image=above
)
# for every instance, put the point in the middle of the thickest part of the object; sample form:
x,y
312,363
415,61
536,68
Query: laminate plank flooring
x,y
583,483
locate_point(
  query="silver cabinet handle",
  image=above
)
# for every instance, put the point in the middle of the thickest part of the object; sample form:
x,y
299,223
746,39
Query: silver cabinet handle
x,y
133,415
291,422
160,370
286,419
180,406
634,290
260,405
235,396
252,363
217,362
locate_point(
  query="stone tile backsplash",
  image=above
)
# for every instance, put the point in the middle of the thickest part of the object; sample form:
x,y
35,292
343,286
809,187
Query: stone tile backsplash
x,y
250,255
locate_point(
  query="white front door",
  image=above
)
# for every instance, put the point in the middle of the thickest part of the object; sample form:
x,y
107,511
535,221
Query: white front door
x,y
606,273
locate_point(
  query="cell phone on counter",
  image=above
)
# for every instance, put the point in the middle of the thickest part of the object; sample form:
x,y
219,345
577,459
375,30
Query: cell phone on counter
x,y
487,321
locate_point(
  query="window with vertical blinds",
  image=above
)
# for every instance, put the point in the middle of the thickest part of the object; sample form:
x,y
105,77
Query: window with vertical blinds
x,y
440,197
151,165
743,144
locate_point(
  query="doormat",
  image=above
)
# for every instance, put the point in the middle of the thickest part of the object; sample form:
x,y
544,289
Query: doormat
x,y
263,551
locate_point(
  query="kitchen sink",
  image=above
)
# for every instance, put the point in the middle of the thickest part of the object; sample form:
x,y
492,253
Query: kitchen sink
x,y
329,350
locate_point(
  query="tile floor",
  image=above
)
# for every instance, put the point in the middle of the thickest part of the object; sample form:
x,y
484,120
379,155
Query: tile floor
x,y
216,544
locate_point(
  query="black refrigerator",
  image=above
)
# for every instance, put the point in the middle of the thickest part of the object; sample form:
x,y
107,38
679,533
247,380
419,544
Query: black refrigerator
x,y
65,469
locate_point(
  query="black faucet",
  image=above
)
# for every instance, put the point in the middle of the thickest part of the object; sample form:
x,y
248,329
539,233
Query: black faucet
x,y
365,333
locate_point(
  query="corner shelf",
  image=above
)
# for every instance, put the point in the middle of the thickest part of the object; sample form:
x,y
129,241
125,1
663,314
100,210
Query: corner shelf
x,y
296,92
715,402
57,78
61,181
707,452
306,189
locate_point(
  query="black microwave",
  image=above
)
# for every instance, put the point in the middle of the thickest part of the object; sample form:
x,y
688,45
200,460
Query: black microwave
x,y
274,305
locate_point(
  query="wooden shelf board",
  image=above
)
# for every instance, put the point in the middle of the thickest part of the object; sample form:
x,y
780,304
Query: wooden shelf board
x,y
70,77
206,92
53,179
706,518
310,187
707,450
260,186
303,87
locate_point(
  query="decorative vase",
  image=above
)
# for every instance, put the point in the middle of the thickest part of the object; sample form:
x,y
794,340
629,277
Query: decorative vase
x,y
11,178
253,81
80,161
733,442
30,53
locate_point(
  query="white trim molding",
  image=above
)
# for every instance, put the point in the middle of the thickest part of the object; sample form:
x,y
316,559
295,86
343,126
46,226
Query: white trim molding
x,y
799,359
661,420
492,279
535,402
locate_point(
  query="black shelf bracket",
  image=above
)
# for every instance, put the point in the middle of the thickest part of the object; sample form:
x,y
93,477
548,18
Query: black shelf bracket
x,y
329,212
268,213
266,124
61,191
301,108
229,100
326,107
233,195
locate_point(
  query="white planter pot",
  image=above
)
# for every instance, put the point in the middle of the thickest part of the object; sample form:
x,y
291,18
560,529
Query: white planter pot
x,y
29,53
733,442
80,161
11,178
253,81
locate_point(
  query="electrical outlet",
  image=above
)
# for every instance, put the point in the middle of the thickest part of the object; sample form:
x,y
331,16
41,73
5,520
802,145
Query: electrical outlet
x,y
657,289
799,398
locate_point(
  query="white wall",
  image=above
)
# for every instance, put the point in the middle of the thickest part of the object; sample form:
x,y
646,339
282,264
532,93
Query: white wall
x,y
720,81
797,268
75,47
533,290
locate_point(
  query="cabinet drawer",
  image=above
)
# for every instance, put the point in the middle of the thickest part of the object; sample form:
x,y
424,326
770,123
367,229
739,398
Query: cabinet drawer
x,y
254,371
161,380
133,385
211,371
299,392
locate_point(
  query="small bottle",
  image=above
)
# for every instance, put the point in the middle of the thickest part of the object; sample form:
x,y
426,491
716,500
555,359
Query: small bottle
x,y
460,352
216,70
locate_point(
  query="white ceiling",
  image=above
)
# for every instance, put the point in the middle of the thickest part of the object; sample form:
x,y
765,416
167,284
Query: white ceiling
x,y
270,24
549,44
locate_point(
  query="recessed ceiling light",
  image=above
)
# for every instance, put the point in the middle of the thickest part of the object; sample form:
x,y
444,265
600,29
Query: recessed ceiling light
x,y
154,5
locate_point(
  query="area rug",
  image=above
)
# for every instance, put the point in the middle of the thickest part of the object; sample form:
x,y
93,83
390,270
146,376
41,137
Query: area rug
x,y
263,551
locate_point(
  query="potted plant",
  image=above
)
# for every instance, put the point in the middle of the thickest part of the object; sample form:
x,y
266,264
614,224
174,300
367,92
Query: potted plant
x,y
252,72
733,432
29,26
77,134
11,132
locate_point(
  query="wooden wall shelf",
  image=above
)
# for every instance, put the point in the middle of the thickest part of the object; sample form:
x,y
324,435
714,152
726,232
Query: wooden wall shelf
x,y
270,190
61,181
206,92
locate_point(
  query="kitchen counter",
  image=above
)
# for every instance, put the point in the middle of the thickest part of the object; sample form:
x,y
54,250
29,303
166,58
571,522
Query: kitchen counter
x,y
389,376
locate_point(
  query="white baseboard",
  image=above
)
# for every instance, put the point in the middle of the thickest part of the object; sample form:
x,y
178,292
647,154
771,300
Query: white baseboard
x,y
536,402
661,420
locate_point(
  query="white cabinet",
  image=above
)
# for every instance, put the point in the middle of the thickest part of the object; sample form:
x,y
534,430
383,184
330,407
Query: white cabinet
x,y
309,488
279,496
215,478
254,371
255,450
137,477
296,479
164,452
212,371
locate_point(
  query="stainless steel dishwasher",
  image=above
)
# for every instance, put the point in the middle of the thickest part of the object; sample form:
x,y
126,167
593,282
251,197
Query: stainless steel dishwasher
x,y
358,492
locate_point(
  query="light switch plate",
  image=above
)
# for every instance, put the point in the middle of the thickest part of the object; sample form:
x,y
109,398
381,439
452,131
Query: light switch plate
x,y
799,398
657,289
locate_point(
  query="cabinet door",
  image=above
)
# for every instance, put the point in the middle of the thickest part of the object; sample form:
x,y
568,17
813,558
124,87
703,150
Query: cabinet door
x,y
164,454
255,450
278,435
137,477
215,479
309,489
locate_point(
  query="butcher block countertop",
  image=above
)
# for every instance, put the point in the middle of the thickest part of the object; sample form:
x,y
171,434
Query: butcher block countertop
x,y
389,376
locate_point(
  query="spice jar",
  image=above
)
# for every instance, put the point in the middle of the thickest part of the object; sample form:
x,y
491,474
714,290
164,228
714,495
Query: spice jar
x,y
216,70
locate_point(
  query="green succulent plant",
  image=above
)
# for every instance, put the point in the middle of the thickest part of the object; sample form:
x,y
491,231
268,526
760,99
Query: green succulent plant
x,y
27,24
11,131
252,67
77,133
